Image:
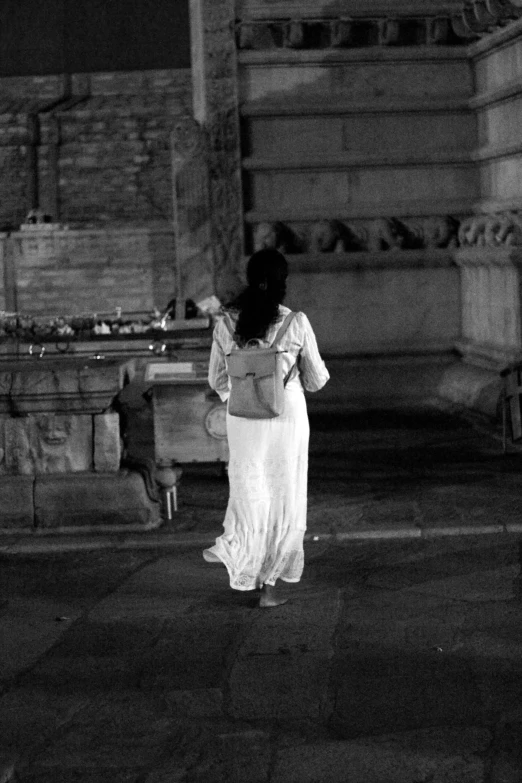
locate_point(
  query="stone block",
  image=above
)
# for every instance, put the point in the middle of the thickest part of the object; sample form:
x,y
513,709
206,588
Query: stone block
x,y
107,443
94,500
16,502
371,310
368,81
500,66
301,192
304,137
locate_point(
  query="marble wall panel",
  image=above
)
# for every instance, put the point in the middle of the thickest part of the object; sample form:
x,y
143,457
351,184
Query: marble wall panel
x,y
360,134
375,81
301,191
380,309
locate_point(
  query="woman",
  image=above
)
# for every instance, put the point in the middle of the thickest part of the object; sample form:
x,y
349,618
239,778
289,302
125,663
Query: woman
x,y
265,519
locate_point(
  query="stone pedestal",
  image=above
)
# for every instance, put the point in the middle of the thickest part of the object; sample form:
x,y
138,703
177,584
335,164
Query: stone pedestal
x,y
491,305
55,415
491,327
60,449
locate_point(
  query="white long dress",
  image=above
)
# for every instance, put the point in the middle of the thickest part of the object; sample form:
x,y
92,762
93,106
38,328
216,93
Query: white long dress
x,y
265,520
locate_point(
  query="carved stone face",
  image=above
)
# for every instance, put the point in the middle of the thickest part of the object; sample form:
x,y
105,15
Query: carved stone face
x,y
54,430
48,443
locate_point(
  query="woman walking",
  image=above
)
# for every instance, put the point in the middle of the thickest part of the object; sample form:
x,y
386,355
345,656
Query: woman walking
x,y
265,519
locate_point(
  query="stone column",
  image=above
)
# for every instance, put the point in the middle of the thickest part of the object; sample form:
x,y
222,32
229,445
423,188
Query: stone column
x,y
214,73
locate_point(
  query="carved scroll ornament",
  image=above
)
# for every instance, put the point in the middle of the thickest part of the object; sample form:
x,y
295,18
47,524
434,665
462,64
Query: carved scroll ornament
x,y
495,230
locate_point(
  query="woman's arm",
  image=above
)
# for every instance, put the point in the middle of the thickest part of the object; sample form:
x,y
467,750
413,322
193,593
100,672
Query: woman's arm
x,y
313,370
217,370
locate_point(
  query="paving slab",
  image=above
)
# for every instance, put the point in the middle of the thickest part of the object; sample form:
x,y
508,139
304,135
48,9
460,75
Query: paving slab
x,y
436,755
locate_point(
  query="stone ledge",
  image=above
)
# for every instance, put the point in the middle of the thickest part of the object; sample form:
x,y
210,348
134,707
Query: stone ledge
x,y
340,107
327,262
378,209
344,160
356,54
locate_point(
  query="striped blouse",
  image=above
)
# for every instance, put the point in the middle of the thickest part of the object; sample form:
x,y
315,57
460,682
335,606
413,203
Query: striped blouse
x,y
299,339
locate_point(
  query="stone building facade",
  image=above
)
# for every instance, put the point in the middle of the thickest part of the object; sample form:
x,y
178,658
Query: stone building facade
x,y
376,143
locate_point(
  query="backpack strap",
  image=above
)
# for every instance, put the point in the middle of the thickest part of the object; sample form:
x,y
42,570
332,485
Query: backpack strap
x,y
230,326
282,329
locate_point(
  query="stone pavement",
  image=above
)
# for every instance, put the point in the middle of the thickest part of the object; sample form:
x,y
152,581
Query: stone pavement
x,y
397,660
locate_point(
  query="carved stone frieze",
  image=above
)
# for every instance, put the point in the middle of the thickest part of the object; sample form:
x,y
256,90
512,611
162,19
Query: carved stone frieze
x,y
476,18
494,230
374,235
326,33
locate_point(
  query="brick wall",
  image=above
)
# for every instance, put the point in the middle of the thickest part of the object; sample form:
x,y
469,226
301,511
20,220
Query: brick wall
x,y
92,149
85,271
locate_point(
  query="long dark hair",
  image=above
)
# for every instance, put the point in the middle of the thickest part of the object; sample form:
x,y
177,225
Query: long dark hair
x,y
258,304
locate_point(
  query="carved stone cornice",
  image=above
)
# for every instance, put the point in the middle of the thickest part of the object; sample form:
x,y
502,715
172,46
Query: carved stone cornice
x,y
314,32
315,29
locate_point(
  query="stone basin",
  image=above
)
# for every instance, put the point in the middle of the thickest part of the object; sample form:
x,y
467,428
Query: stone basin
x,y
83,384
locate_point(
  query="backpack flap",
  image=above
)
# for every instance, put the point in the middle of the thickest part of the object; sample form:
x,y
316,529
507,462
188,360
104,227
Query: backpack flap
x,y
257,363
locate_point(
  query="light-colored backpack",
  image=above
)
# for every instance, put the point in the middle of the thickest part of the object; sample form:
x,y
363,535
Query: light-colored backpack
x,y
256,375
